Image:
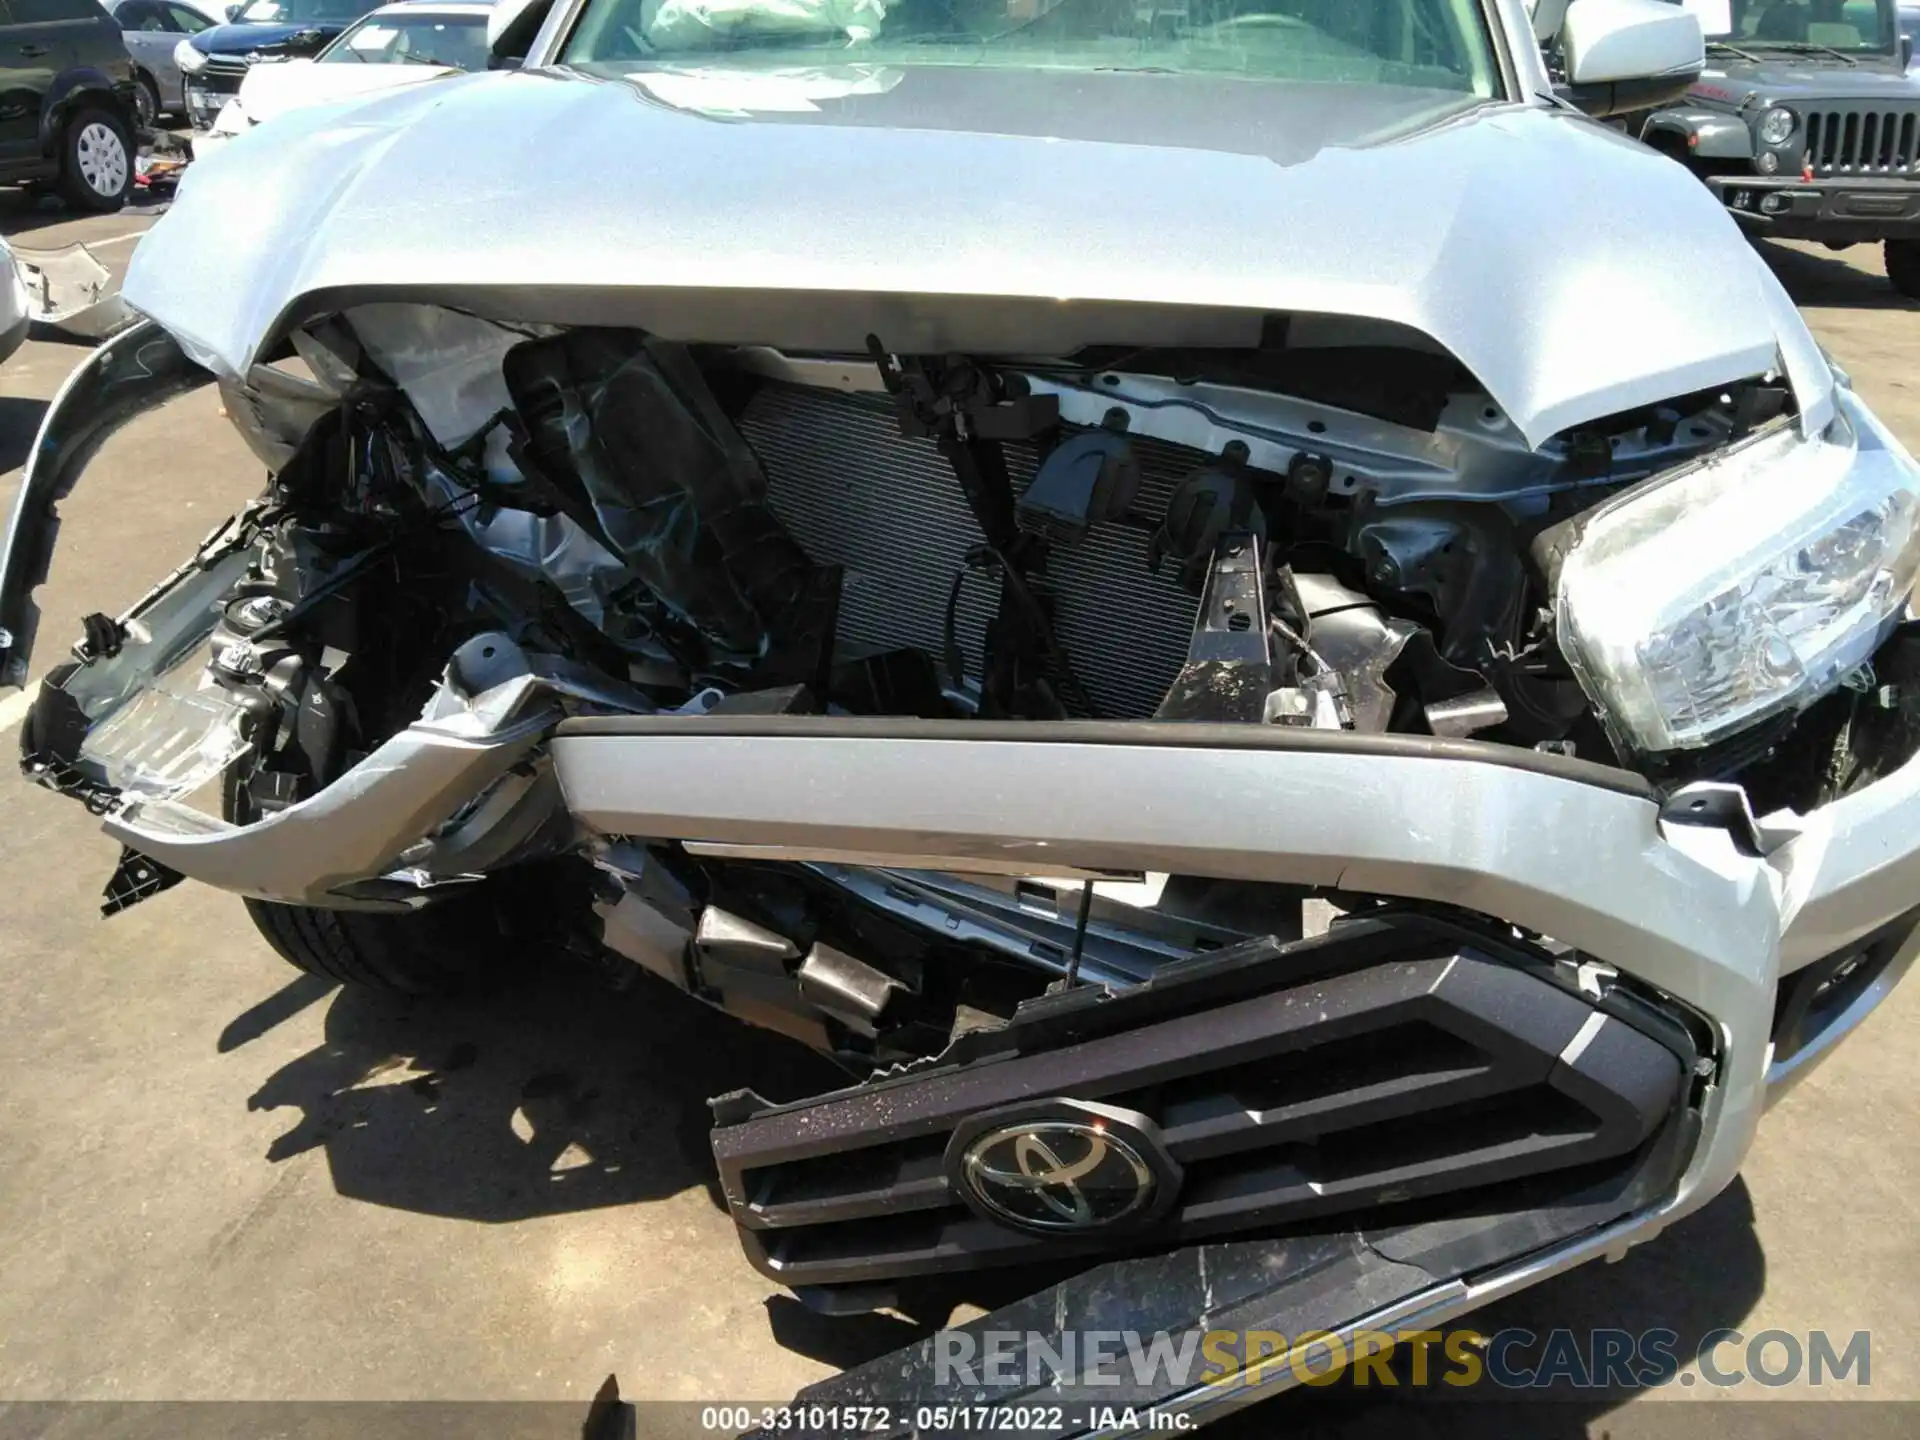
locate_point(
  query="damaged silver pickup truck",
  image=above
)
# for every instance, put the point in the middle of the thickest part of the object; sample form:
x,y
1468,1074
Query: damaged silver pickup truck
x,y
1316,722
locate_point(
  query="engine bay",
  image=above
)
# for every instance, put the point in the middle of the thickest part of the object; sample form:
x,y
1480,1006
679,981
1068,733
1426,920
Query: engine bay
x,y
474,532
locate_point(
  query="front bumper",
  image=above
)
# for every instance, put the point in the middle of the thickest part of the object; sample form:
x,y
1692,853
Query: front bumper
x,y
1842,210
1586,855
205,101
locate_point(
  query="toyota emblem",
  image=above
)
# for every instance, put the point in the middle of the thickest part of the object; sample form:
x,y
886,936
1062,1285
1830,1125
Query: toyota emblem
x,y
1063,1166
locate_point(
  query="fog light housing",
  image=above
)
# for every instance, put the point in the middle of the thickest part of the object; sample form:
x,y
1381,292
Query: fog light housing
x,y
1773,204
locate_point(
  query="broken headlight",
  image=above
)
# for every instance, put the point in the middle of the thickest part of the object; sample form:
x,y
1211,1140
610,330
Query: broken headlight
x,y
1703,601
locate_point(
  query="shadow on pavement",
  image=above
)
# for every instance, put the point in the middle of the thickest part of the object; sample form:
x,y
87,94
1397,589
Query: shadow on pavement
x,y
569,1095
565,1095
1825,281
22,212
19,424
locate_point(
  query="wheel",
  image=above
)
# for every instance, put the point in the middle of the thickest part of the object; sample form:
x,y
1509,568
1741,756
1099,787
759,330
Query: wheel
x,y
1903,267
146,101
96,161
454,945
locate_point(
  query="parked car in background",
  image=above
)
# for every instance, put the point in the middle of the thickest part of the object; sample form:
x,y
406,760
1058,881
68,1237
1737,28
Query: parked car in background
x,y
1806,124
68,116
397,45
152,29
261,32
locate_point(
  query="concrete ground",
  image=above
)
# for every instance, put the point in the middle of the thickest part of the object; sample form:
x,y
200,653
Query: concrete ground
x,y
221,1180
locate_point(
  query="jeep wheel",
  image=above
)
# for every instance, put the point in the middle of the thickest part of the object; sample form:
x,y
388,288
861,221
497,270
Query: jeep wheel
x,y
96,161
1903,267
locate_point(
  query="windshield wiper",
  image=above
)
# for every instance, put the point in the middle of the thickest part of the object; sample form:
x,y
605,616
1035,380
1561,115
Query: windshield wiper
x,y
1807,47
1720,47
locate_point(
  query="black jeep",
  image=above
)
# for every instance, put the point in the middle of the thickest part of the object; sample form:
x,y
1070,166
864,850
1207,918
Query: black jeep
x,y
1806,124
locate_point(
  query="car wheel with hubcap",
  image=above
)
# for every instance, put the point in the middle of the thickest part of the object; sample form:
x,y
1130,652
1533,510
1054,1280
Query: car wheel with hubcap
x,y
1903,267
96,161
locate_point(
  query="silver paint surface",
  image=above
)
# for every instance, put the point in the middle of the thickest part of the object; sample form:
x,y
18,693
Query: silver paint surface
x,y
992,211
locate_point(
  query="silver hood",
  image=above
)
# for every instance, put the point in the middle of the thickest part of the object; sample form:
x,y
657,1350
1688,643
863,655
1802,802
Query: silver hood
x,y
1575,273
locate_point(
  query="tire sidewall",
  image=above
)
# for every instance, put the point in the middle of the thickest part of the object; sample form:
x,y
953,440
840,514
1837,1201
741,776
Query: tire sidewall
x,y
148,93
73,185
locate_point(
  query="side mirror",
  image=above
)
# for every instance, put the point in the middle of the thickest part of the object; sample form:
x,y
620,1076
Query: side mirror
x,y
1906,52
1623,55
232,12
511,28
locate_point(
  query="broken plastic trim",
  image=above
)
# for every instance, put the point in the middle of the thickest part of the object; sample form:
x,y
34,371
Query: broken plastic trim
x,y
131,373
378,821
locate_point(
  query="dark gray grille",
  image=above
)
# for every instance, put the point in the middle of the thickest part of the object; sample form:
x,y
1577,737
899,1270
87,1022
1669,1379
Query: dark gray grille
x,y
1863,142
1282,1092
857,493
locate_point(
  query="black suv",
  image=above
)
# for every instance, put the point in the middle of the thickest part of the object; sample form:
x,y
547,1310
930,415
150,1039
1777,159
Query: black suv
x,y
1806,123
66,101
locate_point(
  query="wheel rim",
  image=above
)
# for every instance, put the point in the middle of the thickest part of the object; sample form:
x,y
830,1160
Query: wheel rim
x,y
146,109
101,156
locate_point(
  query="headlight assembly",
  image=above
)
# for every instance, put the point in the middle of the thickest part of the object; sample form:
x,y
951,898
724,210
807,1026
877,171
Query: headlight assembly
x,y
191,60
1776,127
1741,587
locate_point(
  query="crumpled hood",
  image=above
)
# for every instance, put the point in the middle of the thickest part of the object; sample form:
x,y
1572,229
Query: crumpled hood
x,y
1575,273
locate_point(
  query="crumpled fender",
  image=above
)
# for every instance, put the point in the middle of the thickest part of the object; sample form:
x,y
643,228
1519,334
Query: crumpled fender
x,y
130,374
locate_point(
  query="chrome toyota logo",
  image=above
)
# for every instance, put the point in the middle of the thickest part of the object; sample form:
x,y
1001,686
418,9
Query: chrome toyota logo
x,y
1060,1174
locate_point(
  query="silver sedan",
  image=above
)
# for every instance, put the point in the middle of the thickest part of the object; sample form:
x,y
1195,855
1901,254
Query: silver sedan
x,y
151,29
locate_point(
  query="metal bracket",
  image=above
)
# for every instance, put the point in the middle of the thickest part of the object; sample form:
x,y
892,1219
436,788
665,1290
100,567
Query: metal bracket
x,y
1229,670
1720,805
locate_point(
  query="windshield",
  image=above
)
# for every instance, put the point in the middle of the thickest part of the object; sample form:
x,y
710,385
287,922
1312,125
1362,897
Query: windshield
x,y
1810,26
1432,44
456,40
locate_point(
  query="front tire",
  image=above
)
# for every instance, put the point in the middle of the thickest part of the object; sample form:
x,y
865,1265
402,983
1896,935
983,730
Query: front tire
x,y
451,946
96,161
1903,267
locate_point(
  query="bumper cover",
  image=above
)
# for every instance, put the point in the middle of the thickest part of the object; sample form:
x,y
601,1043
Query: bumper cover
x,y
1826,208
1584,854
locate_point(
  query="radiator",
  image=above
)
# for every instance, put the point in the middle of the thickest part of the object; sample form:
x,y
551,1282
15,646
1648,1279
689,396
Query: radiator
x,y
857,493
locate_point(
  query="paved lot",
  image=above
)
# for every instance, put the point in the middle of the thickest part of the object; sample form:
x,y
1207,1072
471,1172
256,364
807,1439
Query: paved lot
x,y
218,1179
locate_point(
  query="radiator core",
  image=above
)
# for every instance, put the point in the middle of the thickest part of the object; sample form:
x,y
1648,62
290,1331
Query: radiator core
x,y
857,493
